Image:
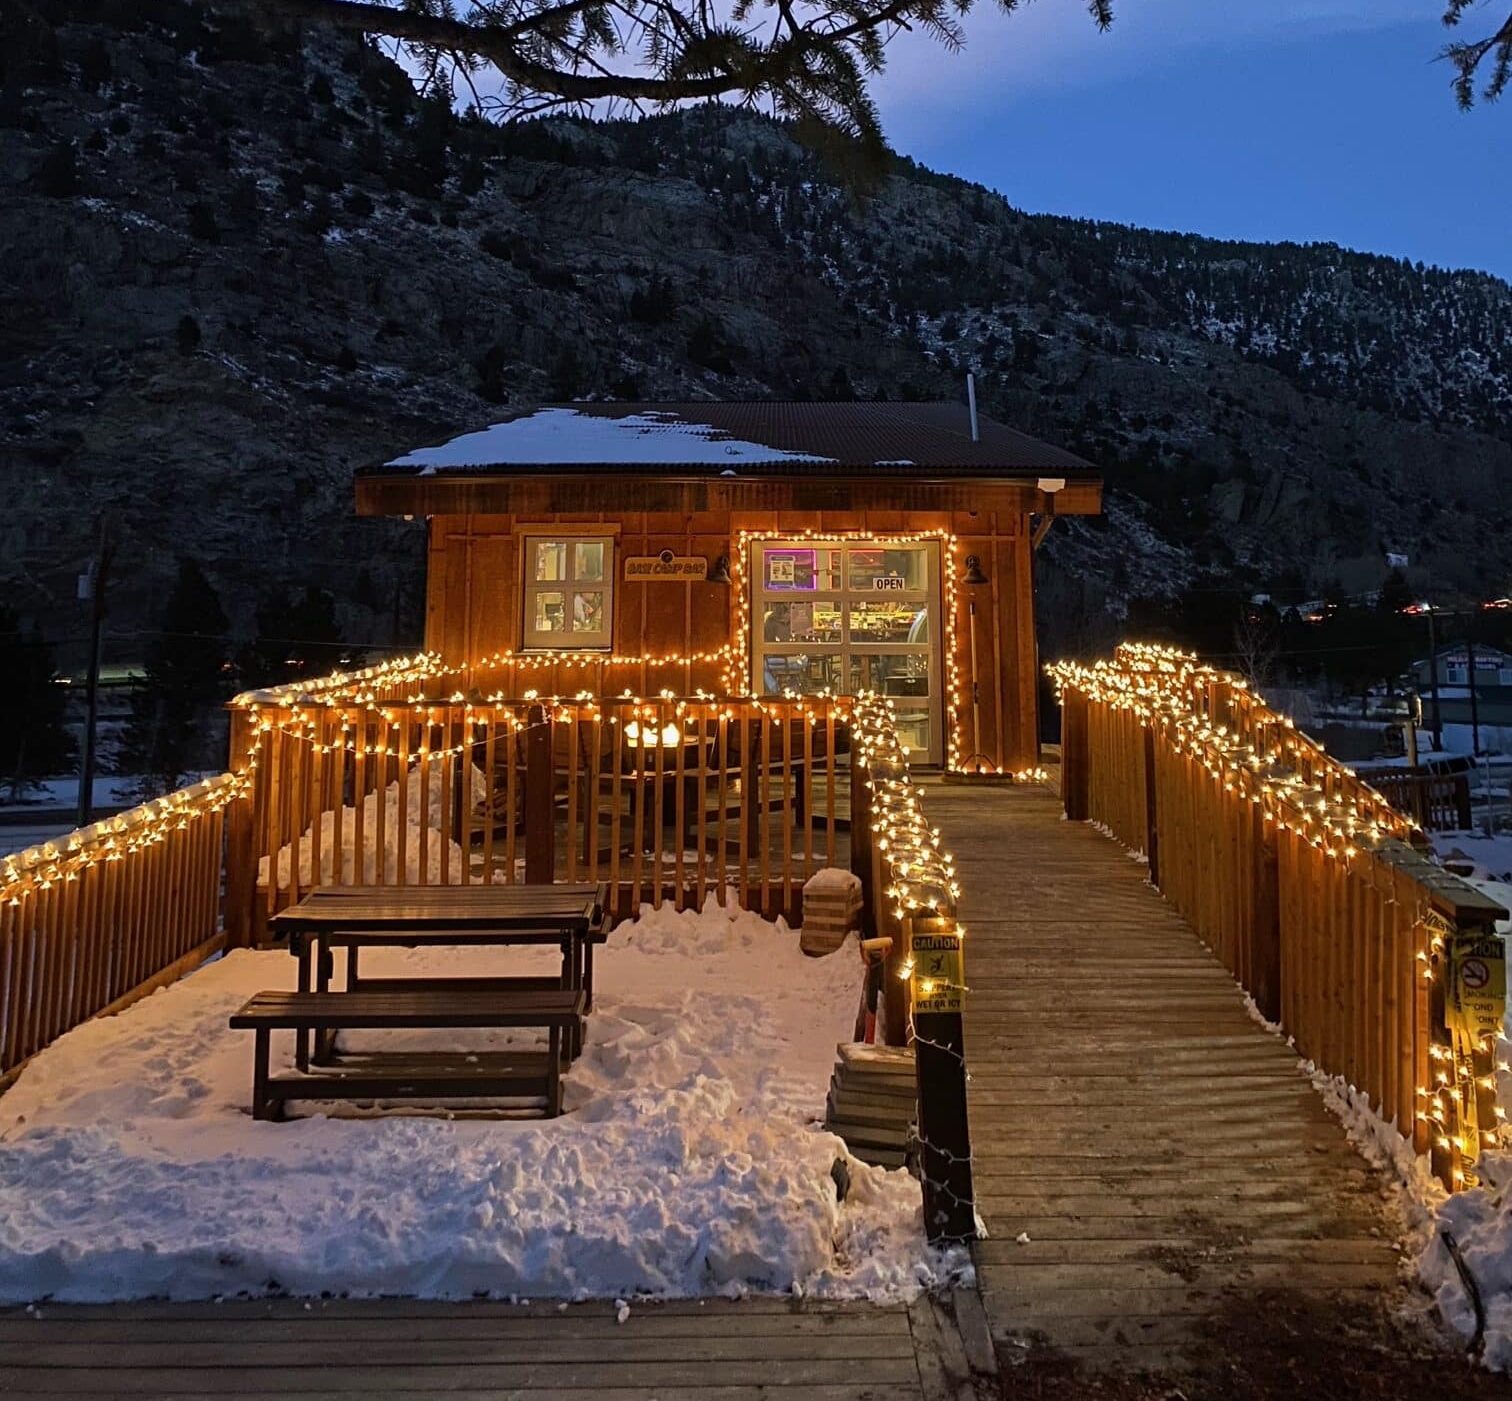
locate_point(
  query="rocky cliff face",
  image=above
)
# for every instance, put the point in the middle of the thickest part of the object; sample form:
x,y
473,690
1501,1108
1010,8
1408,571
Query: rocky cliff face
x,y
240,264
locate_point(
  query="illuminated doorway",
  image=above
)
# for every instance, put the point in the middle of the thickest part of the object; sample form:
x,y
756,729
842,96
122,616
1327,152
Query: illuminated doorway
x,y
852,616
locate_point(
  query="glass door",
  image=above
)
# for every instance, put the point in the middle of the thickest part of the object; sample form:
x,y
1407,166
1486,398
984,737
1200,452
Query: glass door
x,y
852,616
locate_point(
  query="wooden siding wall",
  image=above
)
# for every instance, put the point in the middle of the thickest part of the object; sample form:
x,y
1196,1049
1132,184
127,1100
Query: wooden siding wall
x,y
475,585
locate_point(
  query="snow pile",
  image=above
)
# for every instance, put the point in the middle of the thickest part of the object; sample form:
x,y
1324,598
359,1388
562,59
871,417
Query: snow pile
x,y
689,1161
563,437
427,793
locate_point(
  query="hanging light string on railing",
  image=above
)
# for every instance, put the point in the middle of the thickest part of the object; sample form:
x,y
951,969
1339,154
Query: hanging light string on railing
x,y
115,838
405,678
1259,756
1254,752
330,727
920,882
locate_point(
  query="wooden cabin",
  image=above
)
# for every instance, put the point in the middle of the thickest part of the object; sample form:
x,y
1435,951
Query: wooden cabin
x,y
748,548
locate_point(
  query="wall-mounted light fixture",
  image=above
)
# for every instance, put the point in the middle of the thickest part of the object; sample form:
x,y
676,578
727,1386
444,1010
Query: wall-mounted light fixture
x,y
974,574
1048,485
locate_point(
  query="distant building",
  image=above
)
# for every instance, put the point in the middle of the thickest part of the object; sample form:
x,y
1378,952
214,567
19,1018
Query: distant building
x,y
1493,686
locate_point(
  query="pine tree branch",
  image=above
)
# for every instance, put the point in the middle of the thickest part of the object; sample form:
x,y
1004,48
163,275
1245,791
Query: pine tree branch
x,y
1468,58
500,48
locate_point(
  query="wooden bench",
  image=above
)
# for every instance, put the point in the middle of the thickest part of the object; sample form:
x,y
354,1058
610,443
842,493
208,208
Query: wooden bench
x,y
428,1076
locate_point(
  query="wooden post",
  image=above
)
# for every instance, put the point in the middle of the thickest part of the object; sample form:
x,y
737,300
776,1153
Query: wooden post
x,y
860,842
241,847
539,804
1461,801
1265,948
1074,756
1443,1154
1152,828
939,1045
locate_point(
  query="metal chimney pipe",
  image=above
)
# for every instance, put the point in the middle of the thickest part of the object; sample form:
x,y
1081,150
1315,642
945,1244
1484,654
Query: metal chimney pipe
x,y
976,435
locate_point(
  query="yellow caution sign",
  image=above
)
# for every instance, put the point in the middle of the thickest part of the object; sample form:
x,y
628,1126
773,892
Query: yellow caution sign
x,y
939,976
1475,999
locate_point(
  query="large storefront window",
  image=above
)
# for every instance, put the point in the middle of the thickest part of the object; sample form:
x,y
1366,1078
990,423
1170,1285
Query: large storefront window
x,y
848,618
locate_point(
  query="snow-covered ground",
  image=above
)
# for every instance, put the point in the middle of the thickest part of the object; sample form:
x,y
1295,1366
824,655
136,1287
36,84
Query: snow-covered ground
x,y
14,839
689,1160
109,791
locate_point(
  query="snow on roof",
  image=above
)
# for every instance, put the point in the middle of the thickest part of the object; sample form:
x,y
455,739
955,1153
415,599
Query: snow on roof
x,y
564,436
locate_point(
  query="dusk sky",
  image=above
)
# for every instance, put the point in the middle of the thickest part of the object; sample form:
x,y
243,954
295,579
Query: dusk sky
x,y
1283,119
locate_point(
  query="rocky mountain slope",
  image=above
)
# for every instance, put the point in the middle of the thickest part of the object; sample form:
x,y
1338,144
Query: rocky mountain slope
x,y
240,264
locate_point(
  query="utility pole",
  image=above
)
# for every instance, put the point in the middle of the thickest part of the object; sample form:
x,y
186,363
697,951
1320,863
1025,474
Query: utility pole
x,y
92,585
1433,684
1474,700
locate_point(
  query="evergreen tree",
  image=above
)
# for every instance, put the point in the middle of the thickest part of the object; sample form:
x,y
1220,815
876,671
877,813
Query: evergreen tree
x,y
33,741
173,727
296,637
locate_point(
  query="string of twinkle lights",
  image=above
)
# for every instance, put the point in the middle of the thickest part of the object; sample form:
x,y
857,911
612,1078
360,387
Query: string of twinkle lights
x,y
387,681
114,839
1258,756
920,880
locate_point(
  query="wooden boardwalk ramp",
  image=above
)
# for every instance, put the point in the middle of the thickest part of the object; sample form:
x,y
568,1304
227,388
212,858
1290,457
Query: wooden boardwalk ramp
x,y
1149,1161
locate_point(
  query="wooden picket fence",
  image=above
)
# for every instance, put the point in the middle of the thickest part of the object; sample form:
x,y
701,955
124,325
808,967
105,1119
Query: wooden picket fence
x,y
1437,802
1311,888
672,799
97,919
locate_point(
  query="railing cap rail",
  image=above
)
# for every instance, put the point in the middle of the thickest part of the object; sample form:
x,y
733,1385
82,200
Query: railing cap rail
x,y
1452,896
278,700
21,864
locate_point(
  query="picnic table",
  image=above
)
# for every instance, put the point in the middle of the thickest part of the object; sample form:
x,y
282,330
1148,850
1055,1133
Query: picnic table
x,y
571,917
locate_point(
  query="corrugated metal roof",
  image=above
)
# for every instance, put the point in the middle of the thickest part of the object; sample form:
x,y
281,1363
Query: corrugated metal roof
x,y
756,436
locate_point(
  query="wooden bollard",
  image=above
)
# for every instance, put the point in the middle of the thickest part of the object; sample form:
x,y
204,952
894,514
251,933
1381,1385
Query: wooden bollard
x,y
939,1046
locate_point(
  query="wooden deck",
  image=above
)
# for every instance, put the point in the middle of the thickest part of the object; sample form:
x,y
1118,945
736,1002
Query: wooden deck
x,y
753,1350
1177,1179
1161,1151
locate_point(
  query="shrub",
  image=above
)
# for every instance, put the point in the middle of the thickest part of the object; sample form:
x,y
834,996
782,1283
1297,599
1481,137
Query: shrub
x,y
497,245
188,335
202,224
58,175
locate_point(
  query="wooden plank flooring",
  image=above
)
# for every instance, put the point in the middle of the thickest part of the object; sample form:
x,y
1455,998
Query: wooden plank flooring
x,y
1161,1152
752,1350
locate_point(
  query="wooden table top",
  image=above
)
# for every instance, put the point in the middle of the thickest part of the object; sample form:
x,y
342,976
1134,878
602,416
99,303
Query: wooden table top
x,y
547,908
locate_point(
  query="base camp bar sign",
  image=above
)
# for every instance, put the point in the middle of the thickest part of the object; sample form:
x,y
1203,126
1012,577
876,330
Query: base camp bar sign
x,y
666,568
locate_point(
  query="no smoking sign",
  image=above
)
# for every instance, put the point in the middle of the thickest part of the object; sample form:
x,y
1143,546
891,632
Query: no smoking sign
x,y
1476,995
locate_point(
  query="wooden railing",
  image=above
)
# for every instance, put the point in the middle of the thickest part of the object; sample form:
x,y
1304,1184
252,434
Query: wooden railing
x,y
667,800
1309,886
1437,802
671,799
101,917
909,895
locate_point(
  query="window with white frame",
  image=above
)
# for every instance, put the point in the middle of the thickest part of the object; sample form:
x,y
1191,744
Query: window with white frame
x,y
569,592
